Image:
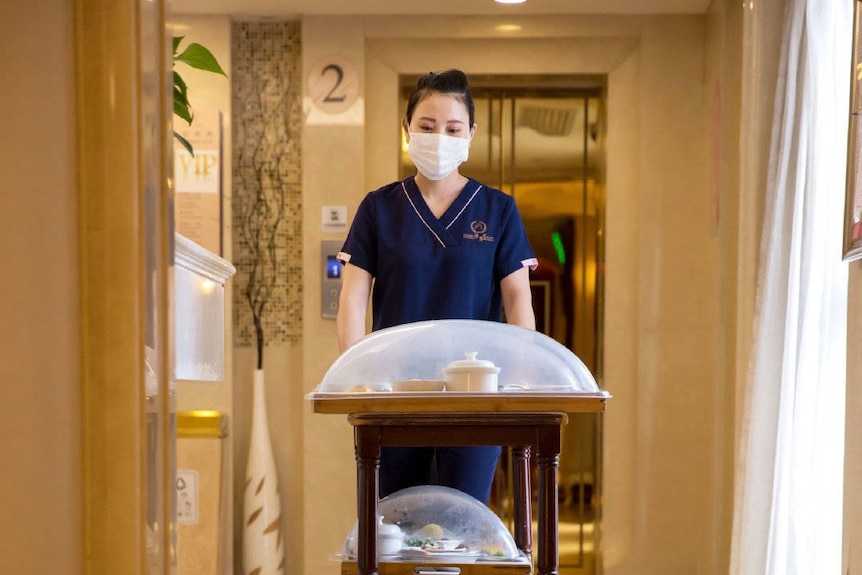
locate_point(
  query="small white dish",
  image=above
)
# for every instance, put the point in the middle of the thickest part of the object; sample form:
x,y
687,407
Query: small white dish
x,y
414,385
449,544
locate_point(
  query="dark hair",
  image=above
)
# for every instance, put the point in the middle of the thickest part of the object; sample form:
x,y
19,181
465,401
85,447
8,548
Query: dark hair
x,y
449,82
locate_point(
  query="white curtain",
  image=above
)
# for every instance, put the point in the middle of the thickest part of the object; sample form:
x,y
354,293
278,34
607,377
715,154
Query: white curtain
x,y
788,502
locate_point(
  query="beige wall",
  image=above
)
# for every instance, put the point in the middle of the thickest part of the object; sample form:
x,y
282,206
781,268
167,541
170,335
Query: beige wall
x,y
724,87
40,388
333,168
671,324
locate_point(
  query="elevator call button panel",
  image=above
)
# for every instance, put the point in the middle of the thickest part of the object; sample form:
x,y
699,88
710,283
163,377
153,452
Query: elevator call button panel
x,y
331,285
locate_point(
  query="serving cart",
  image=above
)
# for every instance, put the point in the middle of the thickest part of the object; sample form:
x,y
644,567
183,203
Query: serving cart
x,y
540,382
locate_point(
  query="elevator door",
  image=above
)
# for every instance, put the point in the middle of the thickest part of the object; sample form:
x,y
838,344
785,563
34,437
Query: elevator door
x,y
541,140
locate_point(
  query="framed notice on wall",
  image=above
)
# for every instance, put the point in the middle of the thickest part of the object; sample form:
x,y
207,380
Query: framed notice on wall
x,y
853,192
198,180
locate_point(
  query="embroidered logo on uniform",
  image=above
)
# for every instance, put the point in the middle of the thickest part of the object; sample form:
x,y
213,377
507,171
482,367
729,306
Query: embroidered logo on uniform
x,y
479,228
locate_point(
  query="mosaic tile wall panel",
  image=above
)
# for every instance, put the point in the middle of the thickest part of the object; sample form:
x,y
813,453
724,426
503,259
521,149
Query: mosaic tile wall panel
x,y
267,199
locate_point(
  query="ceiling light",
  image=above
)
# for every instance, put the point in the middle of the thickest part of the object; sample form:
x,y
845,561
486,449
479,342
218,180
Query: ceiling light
x,y
508,28
510,1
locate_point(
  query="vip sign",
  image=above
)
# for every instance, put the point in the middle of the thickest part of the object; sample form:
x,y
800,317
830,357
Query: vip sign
x,y
200,173
198,179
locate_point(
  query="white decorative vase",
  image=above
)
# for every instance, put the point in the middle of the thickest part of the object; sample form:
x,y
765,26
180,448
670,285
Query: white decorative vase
x,y
263,545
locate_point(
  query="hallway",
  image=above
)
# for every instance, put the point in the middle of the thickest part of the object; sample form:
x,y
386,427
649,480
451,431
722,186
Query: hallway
x,y
682,211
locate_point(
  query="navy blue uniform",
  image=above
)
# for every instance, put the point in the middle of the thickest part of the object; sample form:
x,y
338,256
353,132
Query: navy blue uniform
x,y
426,268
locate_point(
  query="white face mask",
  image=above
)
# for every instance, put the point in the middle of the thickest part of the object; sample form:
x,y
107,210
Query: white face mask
x,y
435,155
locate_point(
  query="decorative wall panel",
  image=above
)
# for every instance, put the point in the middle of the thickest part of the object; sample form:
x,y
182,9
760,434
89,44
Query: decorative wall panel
x,y
267,197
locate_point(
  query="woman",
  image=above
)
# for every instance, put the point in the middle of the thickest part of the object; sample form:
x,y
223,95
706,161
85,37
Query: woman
x,y
437,245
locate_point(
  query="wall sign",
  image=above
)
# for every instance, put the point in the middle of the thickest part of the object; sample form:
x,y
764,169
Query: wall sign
x,y
197,179
333,218
333,84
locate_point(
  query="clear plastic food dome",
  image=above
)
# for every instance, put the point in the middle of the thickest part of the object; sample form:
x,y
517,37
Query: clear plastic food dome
x,y
527,360
440,523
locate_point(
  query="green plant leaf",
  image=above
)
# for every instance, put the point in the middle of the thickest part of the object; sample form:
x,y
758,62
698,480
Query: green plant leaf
x,y
183,110
180,86
201,58
198,57
186,144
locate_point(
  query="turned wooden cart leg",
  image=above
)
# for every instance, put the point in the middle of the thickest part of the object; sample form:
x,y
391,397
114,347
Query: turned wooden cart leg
x,y
522,498
548,461
367,445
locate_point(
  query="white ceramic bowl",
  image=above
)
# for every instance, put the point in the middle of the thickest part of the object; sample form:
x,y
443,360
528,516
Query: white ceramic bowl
x,y
418,385
472,375
389,538
388,545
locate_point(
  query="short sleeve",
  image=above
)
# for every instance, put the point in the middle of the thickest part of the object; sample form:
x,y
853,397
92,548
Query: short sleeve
x,y
360,247
514,250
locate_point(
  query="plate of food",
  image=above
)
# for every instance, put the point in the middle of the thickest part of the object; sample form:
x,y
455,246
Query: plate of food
x,y
459,554
435,545
430,544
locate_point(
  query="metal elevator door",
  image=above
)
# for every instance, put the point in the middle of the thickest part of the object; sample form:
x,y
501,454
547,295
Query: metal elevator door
x,y
541,140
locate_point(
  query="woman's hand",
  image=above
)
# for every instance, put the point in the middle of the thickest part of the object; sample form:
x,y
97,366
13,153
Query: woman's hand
x,y
353,305
517,299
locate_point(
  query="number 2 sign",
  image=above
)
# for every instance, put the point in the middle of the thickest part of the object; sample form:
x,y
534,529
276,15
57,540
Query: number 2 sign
x,y
333,84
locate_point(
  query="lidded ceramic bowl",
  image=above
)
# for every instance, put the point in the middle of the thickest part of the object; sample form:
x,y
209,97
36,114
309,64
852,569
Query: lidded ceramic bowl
x,y
471,374
389,537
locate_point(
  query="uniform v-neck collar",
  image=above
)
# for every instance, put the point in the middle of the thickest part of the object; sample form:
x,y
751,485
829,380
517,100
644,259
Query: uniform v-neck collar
x,y
440,226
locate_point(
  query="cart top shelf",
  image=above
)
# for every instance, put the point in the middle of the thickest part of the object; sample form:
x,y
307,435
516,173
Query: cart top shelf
x,y
530,363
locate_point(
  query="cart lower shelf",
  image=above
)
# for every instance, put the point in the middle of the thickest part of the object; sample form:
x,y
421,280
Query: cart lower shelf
x,y
523,567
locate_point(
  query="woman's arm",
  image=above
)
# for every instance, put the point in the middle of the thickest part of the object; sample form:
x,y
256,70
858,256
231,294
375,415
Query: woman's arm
x,y
352,305
517,299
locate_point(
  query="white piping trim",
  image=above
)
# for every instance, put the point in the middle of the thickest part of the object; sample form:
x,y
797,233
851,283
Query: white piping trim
x,y
420,215
343,257
531,263
458,215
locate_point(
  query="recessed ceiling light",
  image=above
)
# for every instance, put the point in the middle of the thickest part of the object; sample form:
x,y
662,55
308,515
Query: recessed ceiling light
x,y
508,28
510,1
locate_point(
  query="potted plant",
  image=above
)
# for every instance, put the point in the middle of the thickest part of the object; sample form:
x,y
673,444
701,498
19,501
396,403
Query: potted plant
x,y
198,57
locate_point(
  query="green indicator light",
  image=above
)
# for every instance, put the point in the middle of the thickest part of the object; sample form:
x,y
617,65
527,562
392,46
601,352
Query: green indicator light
x,y
558,247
